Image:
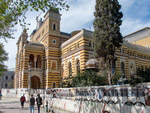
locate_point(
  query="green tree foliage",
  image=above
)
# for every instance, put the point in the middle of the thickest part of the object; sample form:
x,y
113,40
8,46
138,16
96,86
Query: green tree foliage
x,y
107,34
141,76
3,57
13,12
88,78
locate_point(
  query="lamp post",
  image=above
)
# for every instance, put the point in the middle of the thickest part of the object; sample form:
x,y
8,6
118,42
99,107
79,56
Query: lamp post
x,y
29,77
122,79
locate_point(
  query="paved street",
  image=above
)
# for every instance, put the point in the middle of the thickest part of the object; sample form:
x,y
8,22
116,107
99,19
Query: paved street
x,y
12,105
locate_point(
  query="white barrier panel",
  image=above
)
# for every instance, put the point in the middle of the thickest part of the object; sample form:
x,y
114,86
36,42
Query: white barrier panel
x,y
116,99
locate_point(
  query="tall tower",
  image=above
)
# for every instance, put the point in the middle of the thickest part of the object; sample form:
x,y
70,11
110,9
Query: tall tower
x,y
52,51
19,59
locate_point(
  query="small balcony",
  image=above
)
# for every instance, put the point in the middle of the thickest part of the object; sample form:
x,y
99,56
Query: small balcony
x,y
36,70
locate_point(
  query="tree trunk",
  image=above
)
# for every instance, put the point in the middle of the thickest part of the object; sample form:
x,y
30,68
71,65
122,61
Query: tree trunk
x,y
105,69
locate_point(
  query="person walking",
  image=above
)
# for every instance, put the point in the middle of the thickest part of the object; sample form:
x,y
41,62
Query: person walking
x,y
39,102
32,103
22,100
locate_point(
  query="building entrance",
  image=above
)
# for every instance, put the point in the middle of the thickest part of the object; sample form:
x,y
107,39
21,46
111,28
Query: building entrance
x,y
35,82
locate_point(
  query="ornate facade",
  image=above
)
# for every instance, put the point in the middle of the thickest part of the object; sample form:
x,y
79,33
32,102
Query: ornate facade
x,y
55,55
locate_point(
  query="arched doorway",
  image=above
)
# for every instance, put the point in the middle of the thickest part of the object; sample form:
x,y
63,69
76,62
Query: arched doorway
x,y
123,69
35,82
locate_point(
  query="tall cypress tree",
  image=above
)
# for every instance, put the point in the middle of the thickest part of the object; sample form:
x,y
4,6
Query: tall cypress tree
x,y
3,58
107,34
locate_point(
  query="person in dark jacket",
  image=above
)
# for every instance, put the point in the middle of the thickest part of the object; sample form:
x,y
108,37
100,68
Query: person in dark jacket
x,y
39,102
22,100
32,103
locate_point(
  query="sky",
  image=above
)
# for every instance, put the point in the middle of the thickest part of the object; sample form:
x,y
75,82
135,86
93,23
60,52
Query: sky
x,y
136,15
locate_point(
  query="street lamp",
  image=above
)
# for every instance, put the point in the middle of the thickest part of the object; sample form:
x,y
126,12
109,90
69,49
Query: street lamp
x,y
29,77
122,80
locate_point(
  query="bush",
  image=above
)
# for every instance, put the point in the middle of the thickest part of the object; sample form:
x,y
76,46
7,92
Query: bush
x,y
141,76
88,78
116,77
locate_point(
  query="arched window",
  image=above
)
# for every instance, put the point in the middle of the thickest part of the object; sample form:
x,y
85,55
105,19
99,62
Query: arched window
x,y
54,65
113,67
142,67
31,59
90,43
122,69
54,26
38,63
132,71
78,66
54,85
6,77
70,69
5,85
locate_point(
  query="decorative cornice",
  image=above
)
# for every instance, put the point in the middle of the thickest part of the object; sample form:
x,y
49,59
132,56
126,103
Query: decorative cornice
x,y
52,48
34,47
82,33
141,49
140,34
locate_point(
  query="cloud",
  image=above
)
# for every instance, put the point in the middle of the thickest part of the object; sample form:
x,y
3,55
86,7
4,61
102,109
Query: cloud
x,y
126,4
131,25
80,15
136,15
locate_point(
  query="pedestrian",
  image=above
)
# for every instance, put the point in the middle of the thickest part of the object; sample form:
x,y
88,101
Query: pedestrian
x,y
0,96
32,103
147,97
39,102
22,100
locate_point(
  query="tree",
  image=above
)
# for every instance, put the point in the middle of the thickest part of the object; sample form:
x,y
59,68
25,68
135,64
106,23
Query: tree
x,y
141,76
88,78
13,12
3,57
107,34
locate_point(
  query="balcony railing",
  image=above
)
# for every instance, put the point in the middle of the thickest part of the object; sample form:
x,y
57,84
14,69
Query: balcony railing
x,y
36,69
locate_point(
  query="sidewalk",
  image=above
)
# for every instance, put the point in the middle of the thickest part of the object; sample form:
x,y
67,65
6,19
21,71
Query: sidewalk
x,y
12,105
